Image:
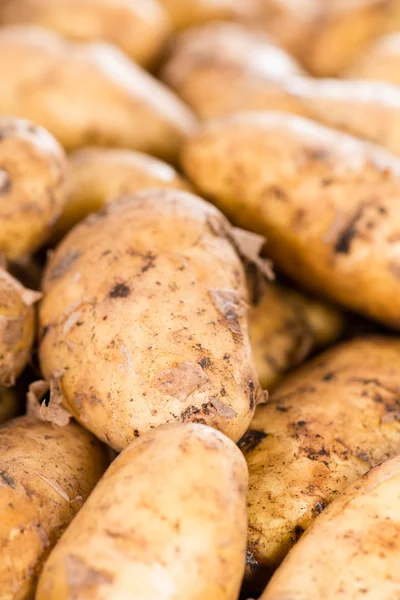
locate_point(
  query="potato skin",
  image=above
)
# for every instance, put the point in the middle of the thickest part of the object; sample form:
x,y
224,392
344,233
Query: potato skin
x,y
88,94
133,355
97,176
167,520
324,426
32,192
9,405
326,202
364,524
139,28
184,13
46,472
380,61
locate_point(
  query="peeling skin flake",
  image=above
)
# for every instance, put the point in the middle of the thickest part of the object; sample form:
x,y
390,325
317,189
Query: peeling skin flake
x,y
181,381
229,305
249,246
37,390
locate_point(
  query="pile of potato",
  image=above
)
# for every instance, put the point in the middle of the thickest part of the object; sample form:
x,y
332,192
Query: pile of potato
x,y
199,299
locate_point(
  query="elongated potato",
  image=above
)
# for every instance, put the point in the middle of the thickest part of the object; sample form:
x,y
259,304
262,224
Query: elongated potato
x,y
162,334
324,426
328,203
32,192
46,472
17,327
139,28
224,68
167,521
380,61
88,94
353,549
100,175
184,13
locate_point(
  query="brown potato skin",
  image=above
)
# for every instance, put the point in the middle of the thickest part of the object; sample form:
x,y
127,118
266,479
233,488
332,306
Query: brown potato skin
x,y
97,176
184,13
138,28
167,520
379,62
88,94
364,524
323,427
46,472
32,177
132,353
327,203
9,405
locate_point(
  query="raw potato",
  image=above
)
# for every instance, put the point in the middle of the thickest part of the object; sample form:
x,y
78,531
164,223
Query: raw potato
x,y
327,203
139,28
46,472
167,521
9,405
32,172
380,61
100,175
324,426
88,94
145,314
17,327
184,13
224,68
353,549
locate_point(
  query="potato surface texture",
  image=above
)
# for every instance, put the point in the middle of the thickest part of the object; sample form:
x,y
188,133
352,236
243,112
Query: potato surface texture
x,y
97,176
167,521
323,427
364,525
88,94
327,203
184,13
46,473
162,334
32,173
379,62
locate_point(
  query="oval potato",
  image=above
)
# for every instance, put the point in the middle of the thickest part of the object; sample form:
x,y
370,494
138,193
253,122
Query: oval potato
x,y
88,94
327,203
167,521
97,176
161,335
139,28
324,426
379,62
46,472
353,549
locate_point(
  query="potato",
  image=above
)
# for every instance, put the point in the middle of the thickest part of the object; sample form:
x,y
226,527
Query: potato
x,y
328,203
145,313
324,426
380,61
88,94
167,521
223,68
352,550
32,176
139,28
100,175
184,13
9,405
46,472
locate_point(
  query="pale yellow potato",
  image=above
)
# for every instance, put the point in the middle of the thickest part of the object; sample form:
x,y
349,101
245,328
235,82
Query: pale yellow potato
x,y
88,94
32,193
97,176
167,521
46,473
352,551
327,203
379,62
323,427
17,327
145,314
9,405
184,13
140,28
223,68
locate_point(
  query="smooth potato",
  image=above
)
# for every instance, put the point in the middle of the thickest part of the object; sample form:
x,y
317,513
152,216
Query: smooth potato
x,y
324,426
184,13
120,296
32,175
46,472
97,176
139,28
167,521
88,94
379,62
353,549
327,203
